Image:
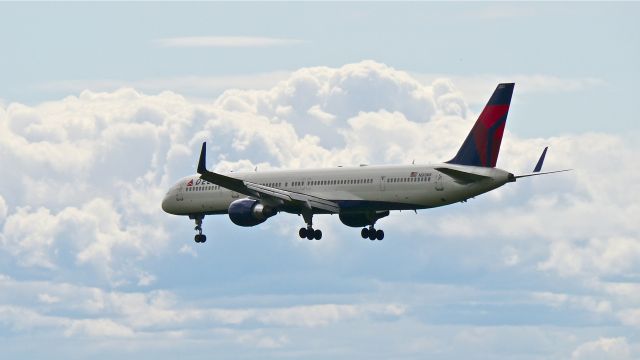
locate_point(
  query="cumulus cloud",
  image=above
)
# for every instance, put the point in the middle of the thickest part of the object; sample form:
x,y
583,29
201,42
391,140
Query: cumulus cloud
x,y
92,169
93,234
128,147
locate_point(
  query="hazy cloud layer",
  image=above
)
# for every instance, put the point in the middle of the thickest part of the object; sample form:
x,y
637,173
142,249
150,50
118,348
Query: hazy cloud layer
x,y
225,41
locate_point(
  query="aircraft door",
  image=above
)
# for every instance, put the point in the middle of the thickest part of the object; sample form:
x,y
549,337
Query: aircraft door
x,y
383,179
439,183
179,194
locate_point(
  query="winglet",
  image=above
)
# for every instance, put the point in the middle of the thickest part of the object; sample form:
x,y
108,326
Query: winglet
x,y
540,161
202,167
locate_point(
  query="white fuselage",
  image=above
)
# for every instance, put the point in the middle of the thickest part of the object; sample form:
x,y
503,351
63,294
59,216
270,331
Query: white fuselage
x,y
355,189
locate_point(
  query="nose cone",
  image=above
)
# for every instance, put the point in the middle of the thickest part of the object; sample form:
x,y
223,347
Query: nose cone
x,y
168,203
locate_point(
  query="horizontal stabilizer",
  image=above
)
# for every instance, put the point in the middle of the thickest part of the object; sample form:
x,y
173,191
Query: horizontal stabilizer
x,y
541,173
462,177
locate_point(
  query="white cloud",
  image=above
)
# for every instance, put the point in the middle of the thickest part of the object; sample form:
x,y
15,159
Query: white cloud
x,y
3,209
324,314
614,255
129,147
95,233
90,171
48,299
225,41
603,348
588,303
98,328
188,250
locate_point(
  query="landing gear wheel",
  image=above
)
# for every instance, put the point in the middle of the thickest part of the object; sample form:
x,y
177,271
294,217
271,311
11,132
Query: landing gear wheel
x,y
200,237
364,233
380,234
309,232
372,234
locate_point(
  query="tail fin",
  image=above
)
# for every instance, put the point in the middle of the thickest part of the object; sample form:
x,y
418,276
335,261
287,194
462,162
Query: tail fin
x,y
482,145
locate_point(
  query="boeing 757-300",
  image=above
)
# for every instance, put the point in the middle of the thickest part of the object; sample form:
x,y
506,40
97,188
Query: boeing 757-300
x,y
359,195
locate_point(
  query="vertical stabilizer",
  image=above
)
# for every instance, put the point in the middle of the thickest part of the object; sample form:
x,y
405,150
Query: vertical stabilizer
x,y
482,145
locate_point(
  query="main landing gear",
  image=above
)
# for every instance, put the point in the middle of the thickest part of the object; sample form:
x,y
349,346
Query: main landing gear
x,y
309,232
200,237
372,233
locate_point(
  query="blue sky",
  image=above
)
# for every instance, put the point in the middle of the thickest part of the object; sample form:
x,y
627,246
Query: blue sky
x,y
103,107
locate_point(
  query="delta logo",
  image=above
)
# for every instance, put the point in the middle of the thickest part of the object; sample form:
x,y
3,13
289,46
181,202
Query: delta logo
x,y
190,183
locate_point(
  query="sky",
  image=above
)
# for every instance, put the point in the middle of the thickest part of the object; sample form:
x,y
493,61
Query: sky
x,y
104,106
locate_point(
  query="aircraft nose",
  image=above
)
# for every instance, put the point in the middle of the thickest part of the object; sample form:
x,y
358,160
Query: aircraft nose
x,y
167,203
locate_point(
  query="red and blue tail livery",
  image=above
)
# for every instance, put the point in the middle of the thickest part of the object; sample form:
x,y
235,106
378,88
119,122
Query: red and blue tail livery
x,y
482,145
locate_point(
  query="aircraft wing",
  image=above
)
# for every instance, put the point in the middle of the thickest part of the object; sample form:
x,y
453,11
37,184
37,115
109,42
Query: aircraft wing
x,y
270,194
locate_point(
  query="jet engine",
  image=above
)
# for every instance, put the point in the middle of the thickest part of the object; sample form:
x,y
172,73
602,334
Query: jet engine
x,y
362,219
248,212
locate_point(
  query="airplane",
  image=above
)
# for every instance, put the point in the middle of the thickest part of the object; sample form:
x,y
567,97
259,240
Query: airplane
x,y
360,195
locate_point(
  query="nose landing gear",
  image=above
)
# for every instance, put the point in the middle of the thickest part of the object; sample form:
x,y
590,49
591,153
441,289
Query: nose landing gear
x,y
199,237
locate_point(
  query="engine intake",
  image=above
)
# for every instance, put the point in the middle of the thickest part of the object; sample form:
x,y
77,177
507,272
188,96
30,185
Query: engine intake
x,y
248,212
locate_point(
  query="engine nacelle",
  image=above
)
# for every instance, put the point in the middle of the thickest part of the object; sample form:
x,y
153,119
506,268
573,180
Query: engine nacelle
x,y
362,219
248,212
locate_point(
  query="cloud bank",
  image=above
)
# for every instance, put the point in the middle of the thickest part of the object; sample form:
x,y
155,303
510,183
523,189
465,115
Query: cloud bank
x,y
83,233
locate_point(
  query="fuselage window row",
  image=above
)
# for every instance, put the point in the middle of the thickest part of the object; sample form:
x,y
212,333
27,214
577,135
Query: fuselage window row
x,y
297,183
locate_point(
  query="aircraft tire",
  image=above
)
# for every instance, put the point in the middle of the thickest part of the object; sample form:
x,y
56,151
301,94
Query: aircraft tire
x,y
379,234
317,234
364,233
372,235
310,234
302,233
